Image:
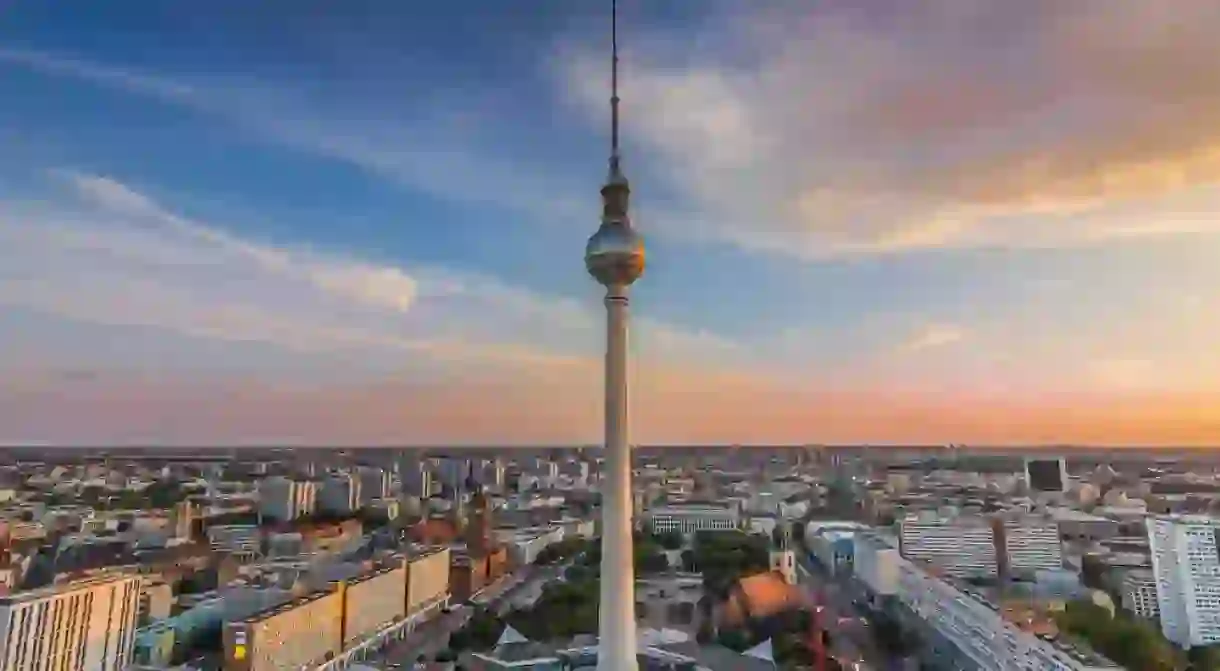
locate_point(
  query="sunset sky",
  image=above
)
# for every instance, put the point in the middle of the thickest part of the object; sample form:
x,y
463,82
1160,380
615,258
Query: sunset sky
x,y
363,221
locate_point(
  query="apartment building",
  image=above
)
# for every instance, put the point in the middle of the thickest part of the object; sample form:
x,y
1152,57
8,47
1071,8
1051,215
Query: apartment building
x,y
1139,594
959,547
1186,567
86,625
1027,545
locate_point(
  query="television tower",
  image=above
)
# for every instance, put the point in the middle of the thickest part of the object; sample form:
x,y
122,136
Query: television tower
x,y
614,257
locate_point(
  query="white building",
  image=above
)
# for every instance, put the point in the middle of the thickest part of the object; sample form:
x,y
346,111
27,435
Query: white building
x,y
236,538
1029,544
525,544
285,499
1186,567
88,625
960,547
692,517
981,638
1139,594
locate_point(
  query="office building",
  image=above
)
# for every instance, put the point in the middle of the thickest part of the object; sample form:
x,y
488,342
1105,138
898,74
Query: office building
x,y
1027,545
87,625
285,499
958,547
375,483
1186,568
339,494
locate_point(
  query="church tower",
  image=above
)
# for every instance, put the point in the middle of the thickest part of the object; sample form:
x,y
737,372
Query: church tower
x,y
783,559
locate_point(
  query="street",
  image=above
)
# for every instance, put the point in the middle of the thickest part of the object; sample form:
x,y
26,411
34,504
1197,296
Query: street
x,y
853,644
512,591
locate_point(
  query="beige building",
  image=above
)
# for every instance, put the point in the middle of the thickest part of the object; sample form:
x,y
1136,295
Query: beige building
x,y
156,599
427,578
300,633
86,625
373,601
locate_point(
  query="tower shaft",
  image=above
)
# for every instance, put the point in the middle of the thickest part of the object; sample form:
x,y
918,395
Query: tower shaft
x,y
616,624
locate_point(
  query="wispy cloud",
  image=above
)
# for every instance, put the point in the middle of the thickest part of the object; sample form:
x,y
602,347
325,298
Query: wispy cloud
x,y
933,336
119,257
395,142
869,128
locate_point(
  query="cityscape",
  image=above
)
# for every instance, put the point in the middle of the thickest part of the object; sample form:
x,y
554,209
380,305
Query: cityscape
x,y
821,557
904,359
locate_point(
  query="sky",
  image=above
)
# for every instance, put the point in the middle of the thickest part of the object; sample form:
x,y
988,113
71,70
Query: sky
x,y
362,223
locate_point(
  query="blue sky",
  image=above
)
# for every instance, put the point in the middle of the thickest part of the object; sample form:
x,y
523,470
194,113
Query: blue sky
x,y
836,200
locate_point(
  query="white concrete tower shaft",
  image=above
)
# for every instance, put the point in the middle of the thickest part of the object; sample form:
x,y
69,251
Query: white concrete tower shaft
x,y
617,649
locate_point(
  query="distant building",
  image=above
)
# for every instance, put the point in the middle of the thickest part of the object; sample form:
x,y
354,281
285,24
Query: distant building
x,y
241,539
1046,475
340,494
1139,594
782,559
959,547
87,625
286,499
1027,545
1186,567
691,517
375,483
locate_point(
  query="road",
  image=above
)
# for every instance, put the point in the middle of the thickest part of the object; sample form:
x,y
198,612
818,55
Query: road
x,y
853,644
514,590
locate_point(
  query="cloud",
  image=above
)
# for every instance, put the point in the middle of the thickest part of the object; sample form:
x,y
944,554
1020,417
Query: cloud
x,y
932,336
416,148
119,257
879,127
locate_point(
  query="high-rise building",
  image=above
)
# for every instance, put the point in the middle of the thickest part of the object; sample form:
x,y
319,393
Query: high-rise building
x,y
1186,566
614,256
286,499
340,494
414,476
375,483
1046,475
87,625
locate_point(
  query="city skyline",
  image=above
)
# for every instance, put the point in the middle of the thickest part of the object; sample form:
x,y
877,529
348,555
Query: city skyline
x,y
971,225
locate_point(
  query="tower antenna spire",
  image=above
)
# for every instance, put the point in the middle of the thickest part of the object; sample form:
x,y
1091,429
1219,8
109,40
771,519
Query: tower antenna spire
x,y
614,100
614,78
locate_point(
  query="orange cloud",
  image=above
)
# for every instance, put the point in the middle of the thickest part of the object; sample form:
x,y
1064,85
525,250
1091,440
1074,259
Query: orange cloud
x,y
936,125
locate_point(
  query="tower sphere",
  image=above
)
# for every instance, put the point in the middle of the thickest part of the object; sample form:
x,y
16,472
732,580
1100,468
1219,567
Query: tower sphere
x,y
614,255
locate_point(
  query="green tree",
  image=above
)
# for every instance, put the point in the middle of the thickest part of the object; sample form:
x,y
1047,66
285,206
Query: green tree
x,y
670,540
1206,658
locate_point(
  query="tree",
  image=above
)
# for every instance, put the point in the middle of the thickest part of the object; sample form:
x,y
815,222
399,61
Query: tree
x,y
670,540
1130,642
1205,658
